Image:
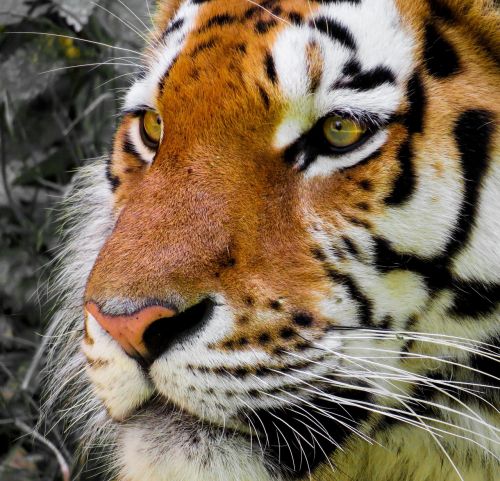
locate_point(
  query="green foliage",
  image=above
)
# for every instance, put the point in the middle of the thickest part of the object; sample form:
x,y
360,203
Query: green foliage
x,y
54,114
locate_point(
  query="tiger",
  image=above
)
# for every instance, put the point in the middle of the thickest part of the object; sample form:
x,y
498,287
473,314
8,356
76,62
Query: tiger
x,y
288,266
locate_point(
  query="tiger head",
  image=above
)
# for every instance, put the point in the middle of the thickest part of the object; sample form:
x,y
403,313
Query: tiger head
x,y
294,245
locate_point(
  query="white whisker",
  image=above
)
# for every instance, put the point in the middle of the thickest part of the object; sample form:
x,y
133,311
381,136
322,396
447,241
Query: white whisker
x,y
84,40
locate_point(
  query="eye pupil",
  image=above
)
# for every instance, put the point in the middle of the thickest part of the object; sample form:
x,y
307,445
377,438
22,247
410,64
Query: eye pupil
x,y
343,133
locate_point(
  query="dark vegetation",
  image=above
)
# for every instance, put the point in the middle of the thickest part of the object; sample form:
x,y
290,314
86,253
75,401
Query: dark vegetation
x,y
54,115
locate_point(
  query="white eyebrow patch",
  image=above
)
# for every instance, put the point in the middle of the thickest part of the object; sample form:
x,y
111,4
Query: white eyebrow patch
x,y
145,91
289,54
380,35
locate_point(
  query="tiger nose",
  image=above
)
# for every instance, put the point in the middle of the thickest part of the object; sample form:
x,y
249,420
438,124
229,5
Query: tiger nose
x,y
129,330
148,332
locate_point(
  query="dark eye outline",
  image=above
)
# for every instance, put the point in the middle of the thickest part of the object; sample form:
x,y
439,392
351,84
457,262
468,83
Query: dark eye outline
x,y
314,143
146,139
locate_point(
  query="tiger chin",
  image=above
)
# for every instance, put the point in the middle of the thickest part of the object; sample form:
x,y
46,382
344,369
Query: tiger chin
x,y
289,266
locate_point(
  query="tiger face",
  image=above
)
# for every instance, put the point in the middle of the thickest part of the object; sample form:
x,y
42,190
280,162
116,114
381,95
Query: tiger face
x,y
289,265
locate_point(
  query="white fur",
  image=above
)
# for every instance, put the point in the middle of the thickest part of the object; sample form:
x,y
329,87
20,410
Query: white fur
x,y
435,203
117,379
224,458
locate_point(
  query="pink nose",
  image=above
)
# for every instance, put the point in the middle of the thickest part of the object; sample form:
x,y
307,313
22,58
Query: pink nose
x,y
128,330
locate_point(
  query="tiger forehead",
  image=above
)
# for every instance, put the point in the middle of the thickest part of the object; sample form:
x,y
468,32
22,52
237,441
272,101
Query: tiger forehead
x,y
240,44
257,16
235,36
208,38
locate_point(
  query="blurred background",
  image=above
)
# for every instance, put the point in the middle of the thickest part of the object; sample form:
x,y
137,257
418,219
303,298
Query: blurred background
x,y
60,89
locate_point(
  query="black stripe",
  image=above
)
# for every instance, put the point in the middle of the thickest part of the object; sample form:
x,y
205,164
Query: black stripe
x,y
365,304
473,135
251,12
113,180
367,80
351,68
351,248
475,299
440,56
472,299
129,148
174,26
207,45
263,26
167,74
264,96
334,30
296,18
405,183
219,20
270,68
298,437
441,10
487,365
417,101
435,270
487,45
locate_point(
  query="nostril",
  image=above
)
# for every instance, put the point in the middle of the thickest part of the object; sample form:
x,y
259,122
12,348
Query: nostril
x,y
148,332
165,332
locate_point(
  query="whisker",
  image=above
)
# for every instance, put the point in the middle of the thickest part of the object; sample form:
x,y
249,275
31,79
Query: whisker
x,y
277,17
84,40
95,64
129,25
420,378
325,413
399,398
135,15
415,355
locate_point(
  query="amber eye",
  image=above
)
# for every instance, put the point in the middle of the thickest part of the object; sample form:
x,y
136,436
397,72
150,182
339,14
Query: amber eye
x,y
151,127
342,133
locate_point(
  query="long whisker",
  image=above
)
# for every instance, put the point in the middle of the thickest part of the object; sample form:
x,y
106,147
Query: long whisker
x,y
95,64
255,413
360,333
301,411
415,355
135,15
92,42
129,25
383,410
420,378
281,19
337,418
